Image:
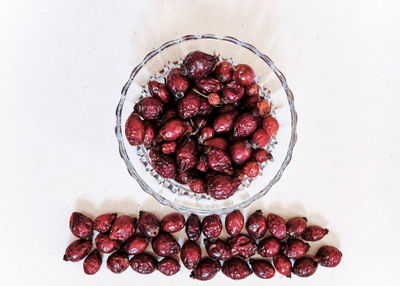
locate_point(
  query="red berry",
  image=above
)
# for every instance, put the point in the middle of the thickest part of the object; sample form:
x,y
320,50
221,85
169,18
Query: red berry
x,y
163,165
261,155
304,267
173,129
214,99
208,85
217,142
262,268
205,108
211,226
244,126
150,108
276,226
77,250
173,222
168,266
236,268
92,263
176,82
189,105
143,263
270,126
168,147
296,226
149,134
252,89
202,165
199,64
136,244
182,177
251,169
263,107
328,256
123,228
314,233
234,222
206,133
118,262
159,91
81,226
294,248
243,74
232,92
282,265
134,130
218,249
190,254
193,227
197,185
256,224
104,244
269,246
222,187
206,269
164,244
186,155
260,138
224,71
219,161
148,224
223,123
243,245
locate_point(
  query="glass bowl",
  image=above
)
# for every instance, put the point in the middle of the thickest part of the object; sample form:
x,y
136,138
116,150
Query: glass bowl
x,y
274,88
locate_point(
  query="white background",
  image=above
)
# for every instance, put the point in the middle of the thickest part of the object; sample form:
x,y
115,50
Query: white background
x,y
63,64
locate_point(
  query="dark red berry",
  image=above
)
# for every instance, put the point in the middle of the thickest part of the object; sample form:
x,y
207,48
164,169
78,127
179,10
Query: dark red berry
x,y
328,256
294,248
250,102
262,268
260,138
177,83
218,249
296,226
223,123
270,126
222,187
314,233
243,245
134,130
276,226
208,85
169,114
269,246
149,134
190,254
282,265
92,263
243,74
173,129
168,266
164,244
228,108
103,222
186,155
143,263
240,152
224,71
236,268
217,142
173,222
189,105
163,165
197,185
205,108
193,227
244,126
232,92
123,228
211,226
182,177
150,107
168,147
234,222
219,161
77,250
261,155
199,123
81,226
148,224
199,64
206,269
251,169
159,91
263,108
118,262
206,133
214,99
252,89
256,224
202,165
104,244
304,267
135,244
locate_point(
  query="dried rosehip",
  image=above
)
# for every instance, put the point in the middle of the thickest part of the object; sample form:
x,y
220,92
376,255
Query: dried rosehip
x,y
223,123
240,152
234,222
186,155
92,263
164,244
269,246
104,222
222,187
200,122
236,268
118,262
77,250
168,266
270,126
263,108
296,226
173,222
208,85
206,269
134,130
163,165
256,224
197,185
159,90
294,248
304,267
202,165
149,134
219,161
224,71
148,224
276,226
218,249
173,129
123,228
182,178
212,226
243,74
189,105
199,64
242,245
251,169
177,83
260,138
169,114
262,268
228,108
252,89
232,92
143,263
217,142
206,133
193,227
168,147
314,233
135,244
282,265
214,99
261,155
104,244
81,226
205,108
190,254
250,102
244,126
150,108
328,256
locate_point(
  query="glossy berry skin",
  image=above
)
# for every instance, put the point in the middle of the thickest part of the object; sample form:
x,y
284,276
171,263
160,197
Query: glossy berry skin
x,y
269,246
223,123
236,268
240,152
92,263
242,245
163,165
217,142
296,226
211,226
224,71
256,224
234,222
202,165
206,269
304,267
260,138
190,254
123,228
193,227
148,224
294,248
159,91
261,155
270,126
328,256
103,222
262,268
214,99
150,108
276,226
81,226
197,185
168,147
149,134
205,108
205,134
118,262
199,64
143,263
177,83
164,244
222,187
186,155
244,126
252,89
104,244
218,249
232,92
168,266
283,265
314,233
77,250
219,161
173,129
134,130
251,169
136,244
263,109
169,114
250,102
182,177
173,222
243,74
208,85
189,105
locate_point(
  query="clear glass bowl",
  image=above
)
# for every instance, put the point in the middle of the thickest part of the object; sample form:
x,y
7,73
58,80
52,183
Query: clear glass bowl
x,y
275,89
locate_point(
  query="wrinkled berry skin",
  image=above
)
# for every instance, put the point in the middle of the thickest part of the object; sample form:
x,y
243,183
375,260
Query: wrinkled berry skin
x,y
189,105
208,85
150,108
103,222
243,74
134,130
294,248
219,161
168,147
169,114
206,269
186,155
182,178
81,226
190,254
252,89
143,263
148,224
168,266
163,165
304,267
232,92
260,138
244,126
251,169
205,108
173,222
269,246
136,244
283,265
92,263
328,256
118,262
218,249
77,250
256,224
199,64
270,126
222,187
262,268
173,129
242,245
234,222
296,226
177,83
149,134
123,228
197,185
211,226
240,152
217,142
261,155
164,244
250,102
202,166
193,227
104,244
314,233
276,226
224,71
159,91
206,133
236,268
223,123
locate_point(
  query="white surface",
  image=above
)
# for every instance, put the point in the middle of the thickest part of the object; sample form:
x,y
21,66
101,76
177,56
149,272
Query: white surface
x,y
63,64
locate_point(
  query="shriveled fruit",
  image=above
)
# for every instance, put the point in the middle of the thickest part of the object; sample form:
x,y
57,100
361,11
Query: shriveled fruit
x,y
283,265
294,248
202,165
270,126
199,64
214,99
240,152
276,226
260,138
252,89
261,155
186,155
118,262
193,227
134,130
232,92
163,165
173,222
197,185
168,147
205,108
304,267
256,224
218,249
159,90
206,133
242,245
148,224
206,269
189,105
123,228
263,108
212,226
150,107
92,263
234,222
177,83
173,129
149,134
143,263
169,114
223,123
328,256
236,268
190,254
224,71
262,268
244,126
222,186
81,226
104,222
217,142
251,169
182,177
269,246
164,244
243,74
219,161
136,244
296,226
250,103
77,250
104,244
208,85
168,266
314,233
